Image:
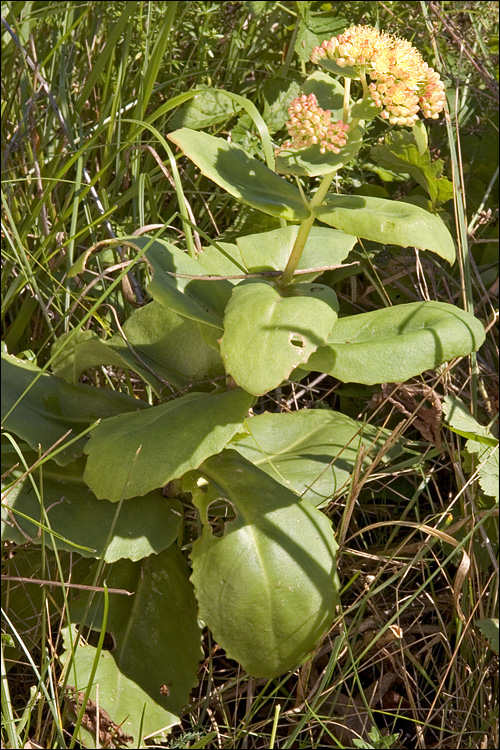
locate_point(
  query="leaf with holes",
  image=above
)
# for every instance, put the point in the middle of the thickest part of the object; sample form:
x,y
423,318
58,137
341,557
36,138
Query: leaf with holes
x,y
268,332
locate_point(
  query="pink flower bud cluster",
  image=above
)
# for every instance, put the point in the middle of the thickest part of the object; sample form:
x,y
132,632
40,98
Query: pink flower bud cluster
x,y
402,83
309,125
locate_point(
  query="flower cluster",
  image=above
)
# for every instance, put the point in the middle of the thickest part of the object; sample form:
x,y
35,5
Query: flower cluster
x,y
402,83
309,125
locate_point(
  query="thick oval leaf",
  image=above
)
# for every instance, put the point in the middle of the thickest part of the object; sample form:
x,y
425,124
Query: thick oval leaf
x,y
203,301
268,588
313,451
166,349
309,161
328,91
397,343
51,407
143,527
223,260
268,333
389,222
173,438
157,642
270,250
365,109
241,175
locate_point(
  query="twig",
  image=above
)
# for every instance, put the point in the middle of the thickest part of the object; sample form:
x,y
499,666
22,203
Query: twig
x,y
22,579
260,274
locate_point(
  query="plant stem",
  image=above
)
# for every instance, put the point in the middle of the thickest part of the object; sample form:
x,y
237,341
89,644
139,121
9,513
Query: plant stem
x,y
304,230
366,90
345,110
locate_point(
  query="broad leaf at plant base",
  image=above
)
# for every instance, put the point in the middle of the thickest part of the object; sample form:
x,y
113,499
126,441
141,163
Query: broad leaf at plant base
x,y
144,525
313,452
267,333
241,175
268,588
166,349
388,222
193,298
51,407
173,438
157,642
396,343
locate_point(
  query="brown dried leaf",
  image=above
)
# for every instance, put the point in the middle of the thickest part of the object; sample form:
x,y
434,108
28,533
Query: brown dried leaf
x,y
110,733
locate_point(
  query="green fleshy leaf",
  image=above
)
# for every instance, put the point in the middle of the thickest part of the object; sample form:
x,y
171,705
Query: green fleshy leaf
x,y
166,349
224,262
396,343
365,109
309,161
143,527
268,333
388,222
459,420
312,452
161,616
344,71
242,176
203,301
328,91
278,95
51,407
155,446
401,153
268,588
269,251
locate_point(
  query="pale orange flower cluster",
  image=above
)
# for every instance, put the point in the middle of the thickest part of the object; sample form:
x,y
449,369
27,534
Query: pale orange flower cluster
x,y
309,125
402,83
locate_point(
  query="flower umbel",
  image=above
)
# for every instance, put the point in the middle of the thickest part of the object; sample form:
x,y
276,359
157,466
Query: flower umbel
x,y
309,125
402,83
